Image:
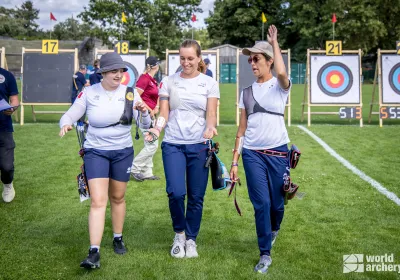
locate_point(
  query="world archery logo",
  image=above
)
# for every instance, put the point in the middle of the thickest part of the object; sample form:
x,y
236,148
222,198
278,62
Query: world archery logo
x,y
394,78
335,79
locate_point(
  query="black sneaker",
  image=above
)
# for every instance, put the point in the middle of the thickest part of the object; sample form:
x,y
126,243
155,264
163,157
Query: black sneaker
x,y
92,260
119,246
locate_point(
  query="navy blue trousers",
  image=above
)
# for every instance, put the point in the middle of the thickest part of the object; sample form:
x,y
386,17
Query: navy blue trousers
x,y
264,176
185,174
7,146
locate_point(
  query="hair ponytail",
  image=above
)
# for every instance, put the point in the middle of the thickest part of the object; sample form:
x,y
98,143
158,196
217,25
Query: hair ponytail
x,y
202,66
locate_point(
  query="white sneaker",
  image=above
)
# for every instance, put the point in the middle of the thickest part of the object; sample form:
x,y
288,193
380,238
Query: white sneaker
x,y
8,192
178,248
191,251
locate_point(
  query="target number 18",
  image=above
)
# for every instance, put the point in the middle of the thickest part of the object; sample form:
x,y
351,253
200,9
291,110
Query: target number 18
x,y
333,48
122,47
398,47
350,113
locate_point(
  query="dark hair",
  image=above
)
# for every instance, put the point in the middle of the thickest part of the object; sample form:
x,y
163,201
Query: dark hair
x,y
194,44
267,57
96,62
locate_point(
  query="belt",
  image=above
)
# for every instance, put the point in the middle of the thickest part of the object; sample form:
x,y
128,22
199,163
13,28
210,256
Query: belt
x,y
272,153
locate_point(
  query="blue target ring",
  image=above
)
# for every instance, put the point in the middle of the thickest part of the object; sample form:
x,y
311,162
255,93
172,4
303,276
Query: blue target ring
x,y
335,79
131,76
394,78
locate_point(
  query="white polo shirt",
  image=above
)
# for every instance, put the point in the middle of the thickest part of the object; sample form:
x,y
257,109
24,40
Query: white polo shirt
x,y
266,131
184,126
103,108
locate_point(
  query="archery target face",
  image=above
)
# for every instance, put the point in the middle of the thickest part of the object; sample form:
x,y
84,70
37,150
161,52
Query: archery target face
x,y
390,79
136,64
335,79
174,64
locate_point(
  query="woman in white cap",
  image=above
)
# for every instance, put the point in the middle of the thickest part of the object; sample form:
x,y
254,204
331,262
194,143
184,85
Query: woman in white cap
x,y
188,111
108,149
147,87
262,140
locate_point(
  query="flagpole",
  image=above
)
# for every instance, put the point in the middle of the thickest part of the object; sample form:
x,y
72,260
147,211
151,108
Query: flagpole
x,y
262,32
333,31
51,25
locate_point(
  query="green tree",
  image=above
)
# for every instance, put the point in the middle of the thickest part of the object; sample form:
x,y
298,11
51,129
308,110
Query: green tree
x,y
238,22
164,18
28,15
9,25
71,29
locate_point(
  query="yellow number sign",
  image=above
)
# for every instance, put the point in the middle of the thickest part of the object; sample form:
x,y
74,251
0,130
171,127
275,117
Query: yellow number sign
x,y
122,47
333,47
50,46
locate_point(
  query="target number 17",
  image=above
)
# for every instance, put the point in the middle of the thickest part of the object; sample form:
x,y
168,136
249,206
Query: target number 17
x,y
50,46
333,48
122,47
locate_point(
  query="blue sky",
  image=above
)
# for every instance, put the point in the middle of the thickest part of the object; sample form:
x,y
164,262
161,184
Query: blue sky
x,y
62,9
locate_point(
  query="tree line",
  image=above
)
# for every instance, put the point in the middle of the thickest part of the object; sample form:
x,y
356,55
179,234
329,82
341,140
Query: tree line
x,y
302,24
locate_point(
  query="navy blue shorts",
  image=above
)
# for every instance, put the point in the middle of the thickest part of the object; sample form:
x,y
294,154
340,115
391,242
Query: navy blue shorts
x,y
114,164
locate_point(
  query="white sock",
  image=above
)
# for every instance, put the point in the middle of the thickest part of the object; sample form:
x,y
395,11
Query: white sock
x,y
95,247
117,235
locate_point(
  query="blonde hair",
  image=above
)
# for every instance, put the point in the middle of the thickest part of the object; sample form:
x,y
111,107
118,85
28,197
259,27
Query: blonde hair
x,y
194,44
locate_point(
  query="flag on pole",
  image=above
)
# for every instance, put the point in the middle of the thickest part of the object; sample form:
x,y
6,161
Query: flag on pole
x,y
123,18
193,18
334,18
263,18
52,17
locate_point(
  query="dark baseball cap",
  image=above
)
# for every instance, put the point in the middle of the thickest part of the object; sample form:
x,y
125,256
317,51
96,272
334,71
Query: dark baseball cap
x,y
207,61
152,61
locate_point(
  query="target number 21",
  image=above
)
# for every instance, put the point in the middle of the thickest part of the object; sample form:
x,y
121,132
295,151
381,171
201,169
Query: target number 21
x,y
333,48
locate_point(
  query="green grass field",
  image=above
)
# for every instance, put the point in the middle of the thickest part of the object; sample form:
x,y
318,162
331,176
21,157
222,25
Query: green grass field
x,y
43,232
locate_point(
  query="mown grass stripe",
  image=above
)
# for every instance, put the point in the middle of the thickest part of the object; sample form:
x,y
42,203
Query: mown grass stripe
x,y
354,169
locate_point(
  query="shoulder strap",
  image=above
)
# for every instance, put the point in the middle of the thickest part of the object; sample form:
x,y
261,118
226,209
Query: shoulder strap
x,y
127,115
257,107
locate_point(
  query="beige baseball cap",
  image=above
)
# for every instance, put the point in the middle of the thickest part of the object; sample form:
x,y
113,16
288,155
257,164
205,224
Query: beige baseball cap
x,y
260,47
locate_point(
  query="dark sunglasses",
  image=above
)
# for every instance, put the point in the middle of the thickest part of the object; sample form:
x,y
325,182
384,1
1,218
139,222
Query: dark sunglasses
x,y
255,59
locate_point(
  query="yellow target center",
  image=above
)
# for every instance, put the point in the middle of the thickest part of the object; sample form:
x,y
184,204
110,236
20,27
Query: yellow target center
x,y
123,79
335,79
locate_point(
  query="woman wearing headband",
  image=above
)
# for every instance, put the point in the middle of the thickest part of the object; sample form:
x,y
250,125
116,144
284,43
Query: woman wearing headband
x,y
108,149
262,140
188,111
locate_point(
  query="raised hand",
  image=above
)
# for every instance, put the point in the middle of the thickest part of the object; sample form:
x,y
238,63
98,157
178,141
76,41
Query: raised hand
x,y
272,35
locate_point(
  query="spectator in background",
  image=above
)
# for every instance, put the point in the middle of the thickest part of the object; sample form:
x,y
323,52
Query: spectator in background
x,y
78,82
8,92
208,71
147,87
96,77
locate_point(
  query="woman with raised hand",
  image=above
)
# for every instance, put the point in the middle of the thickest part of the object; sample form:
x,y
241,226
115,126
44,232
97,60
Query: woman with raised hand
x,y
188,111
108,149
262,140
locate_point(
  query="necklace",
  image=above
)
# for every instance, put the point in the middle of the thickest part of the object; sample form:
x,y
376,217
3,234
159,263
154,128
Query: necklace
x,y
110,95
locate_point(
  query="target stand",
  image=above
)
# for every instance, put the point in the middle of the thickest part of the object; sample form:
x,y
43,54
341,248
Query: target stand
x,y
47,78
333,81
135,61
173,65
387,74
3,61
245,78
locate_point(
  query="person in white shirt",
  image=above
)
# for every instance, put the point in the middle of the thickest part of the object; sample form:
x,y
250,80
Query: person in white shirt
x,y
262,140
188,111
108,149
